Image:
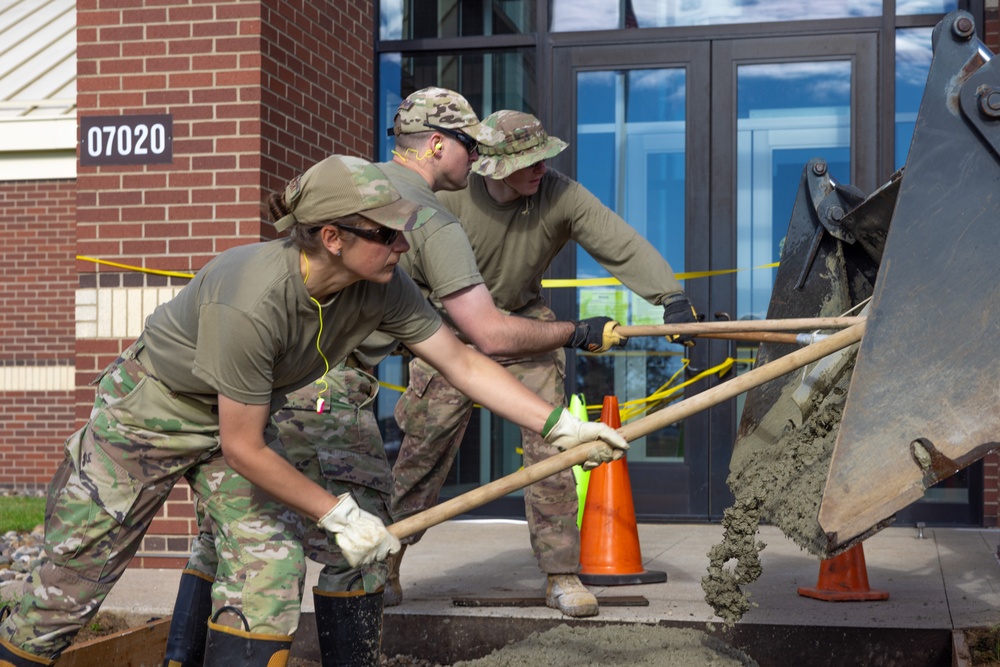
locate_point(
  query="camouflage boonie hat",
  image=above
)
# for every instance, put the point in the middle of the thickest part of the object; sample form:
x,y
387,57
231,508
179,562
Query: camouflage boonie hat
x,y
524,143
443,108
342,185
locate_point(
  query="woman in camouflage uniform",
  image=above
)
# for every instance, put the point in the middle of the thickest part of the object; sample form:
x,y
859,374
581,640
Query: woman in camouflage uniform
x,y
192,398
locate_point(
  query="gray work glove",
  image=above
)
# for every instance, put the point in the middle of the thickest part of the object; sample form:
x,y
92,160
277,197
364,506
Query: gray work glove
x,y
360,535
564,431
680,311
596,334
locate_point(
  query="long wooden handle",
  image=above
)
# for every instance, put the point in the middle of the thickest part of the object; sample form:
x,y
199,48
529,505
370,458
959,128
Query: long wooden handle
x,y
791,324
754,336
660,419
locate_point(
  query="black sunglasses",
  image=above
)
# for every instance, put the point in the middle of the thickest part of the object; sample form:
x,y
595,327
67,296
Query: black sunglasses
x,y
383,235
470,144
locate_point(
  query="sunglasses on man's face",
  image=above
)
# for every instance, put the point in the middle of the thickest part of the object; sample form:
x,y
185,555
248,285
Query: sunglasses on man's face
x,y
468,143
383,235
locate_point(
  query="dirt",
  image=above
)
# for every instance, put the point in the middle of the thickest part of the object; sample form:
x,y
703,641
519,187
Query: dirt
x,y
777,475
105,623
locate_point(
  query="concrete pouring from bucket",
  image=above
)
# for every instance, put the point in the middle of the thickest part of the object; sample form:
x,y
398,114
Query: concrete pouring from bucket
x,y
948,579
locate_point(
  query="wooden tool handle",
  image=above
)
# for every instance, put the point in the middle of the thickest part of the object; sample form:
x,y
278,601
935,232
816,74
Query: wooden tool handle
x,y
754,336
792,324
660,419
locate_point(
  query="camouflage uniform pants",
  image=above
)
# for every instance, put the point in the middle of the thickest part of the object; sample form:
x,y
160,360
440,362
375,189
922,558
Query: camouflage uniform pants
x,y
119,469
340,449
433,416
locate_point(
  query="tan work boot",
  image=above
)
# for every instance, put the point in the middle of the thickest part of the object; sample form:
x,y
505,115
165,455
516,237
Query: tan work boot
x,y
393,589
568,595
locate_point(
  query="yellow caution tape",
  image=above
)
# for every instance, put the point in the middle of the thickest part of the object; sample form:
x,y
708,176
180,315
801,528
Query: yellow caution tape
x,y
611,282
628,410
548,283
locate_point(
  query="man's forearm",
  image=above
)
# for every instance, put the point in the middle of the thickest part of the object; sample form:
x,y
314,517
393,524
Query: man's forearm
x,y
522,335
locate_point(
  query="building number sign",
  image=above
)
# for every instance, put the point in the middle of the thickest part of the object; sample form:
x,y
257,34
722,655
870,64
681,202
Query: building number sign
x,y
126,139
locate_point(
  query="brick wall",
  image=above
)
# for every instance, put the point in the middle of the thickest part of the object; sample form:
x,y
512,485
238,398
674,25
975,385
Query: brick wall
x,y
991,463
317,85
991,25
36,326
991,490
258,91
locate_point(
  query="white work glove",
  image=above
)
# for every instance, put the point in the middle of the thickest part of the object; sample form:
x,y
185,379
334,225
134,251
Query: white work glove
x,y
569,432
360,535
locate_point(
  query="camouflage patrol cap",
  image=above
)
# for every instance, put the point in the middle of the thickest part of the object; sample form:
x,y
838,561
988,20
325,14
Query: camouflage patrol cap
x,y
524,142
443,108
341,185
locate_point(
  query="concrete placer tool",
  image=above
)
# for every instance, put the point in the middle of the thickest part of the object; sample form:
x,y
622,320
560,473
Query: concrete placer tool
x,y
922,399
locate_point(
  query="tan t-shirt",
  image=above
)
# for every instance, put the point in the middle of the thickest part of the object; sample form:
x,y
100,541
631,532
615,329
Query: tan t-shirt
x,y
440,259
246,328
515,243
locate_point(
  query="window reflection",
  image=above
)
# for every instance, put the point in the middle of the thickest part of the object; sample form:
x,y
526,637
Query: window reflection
x,y
905,7
787,114
572,15
913,62
630,154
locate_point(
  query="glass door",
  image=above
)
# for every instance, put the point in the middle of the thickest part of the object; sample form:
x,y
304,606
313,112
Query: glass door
x,y
700,147
639,143
776,105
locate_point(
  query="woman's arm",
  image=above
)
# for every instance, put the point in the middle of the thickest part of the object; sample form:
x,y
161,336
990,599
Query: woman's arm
x,y
241,433
360,535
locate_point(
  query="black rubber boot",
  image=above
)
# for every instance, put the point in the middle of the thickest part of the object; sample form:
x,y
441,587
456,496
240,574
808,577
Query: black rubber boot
x,y
14,657
189,623
349,626
228,647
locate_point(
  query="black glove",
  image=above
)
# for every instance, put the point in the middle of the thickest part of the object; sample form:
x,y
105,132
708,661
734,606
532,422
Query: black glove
x,y
596,334
680,311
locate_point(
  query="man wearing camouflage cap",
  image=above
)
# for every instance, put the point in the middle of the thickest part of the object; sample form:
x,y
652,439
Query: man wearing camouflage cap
x,y
518,215
339,444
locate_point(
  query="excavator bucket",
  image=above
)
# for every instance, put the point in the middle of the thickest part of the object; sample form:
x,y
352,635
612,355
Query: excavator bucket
x,y
862,436
924,394
829,261
828,267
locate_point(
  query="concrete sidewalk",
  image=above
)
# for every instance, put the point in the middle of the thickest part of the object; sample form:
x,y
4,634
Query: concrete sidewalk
x,y
949,579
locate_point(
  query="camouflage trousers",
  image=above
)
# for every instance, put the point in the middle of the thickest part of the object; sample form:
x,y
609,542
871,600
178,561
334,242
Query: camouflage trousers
x,y
118,471
340,449
433,416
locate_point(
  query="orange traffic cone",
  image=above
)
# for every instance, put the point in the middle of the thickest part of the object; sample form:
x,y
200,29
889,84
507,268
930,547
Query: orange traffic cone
x,y
844,578
609,538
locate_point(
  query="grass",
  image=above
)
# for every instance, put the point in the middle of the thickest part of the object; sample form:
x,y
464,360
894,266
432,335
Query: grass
x,y
984,646
20,513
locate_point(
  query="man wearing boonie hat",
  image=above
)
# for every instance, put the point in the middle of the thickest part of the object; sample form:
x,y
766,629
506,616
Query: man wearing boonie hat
x,y
518,215
328,428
